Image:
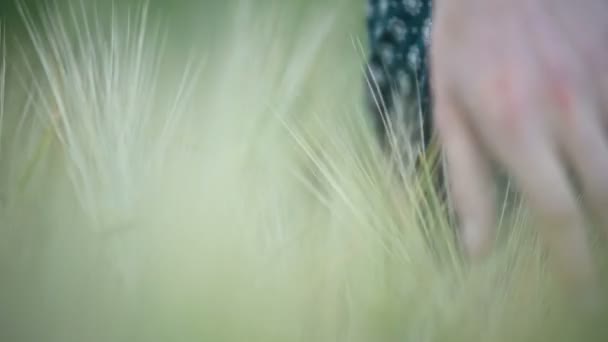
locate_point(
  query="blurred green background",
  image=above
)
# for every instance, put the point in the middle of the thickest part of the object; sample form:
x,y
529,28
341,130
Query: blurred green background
x,y
188,15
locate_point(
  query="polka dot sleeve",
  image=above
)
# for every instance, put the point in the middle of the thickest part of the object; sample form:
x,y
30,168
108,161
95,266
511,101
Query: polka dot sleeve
x,y
398,37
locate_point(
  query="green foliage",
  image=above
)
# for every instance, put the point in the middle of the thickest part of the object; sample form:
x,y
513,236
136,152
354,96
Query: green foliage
x,y
235,194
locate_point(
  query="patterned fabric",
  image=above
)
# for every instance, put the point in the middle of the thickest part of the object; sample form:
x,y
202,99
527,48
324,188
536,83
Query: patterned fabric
x,y
399,35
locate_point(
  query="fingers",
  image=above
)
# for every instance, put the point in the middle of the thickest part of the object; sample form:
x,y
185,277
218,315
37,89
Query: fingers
x,y
586,146
572,59
529,155
471,183
500,91
562,227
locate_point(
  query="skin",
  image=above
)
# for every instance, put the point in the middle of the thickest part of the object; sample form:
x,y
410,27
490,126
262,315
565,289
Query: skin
x,y
524,85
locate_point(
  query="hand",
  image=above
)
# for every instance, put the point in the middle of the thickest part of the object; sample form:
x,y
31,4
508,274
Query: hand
x,y
525,84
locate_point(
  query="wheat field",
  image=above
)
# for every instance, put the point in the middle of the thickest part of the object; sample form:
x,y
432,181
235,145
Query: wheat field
x,y
207,171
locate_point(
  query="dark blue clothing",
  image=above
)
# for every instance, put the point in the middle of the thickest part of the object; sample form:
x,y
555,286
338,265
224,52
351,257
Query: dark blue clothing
x,y
399,35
